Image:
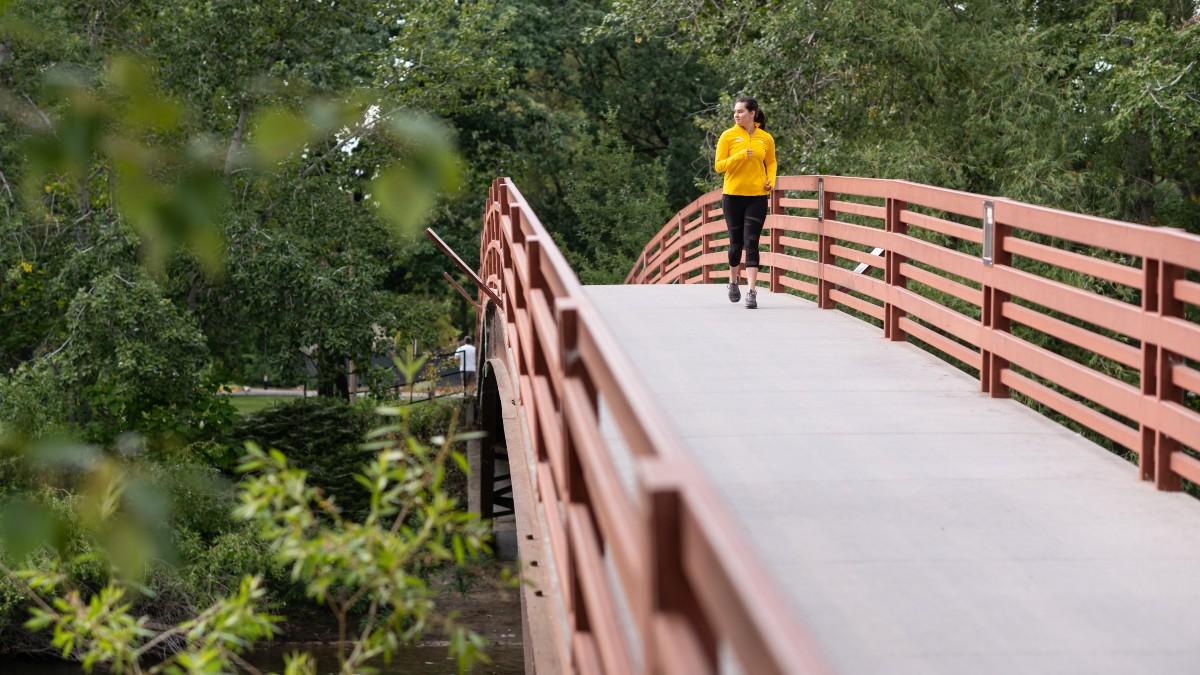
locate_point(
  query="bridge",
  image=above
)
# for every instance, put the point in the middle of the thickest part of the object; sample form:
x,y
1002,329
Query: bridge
x,y
958,435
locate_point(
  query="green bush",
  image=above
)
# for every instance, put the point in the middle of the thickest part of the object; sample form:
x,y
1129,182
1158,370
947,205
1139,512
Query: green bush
x,y
208,551
79,555
321,436
201,497
212,568
220,453
15,475
428,419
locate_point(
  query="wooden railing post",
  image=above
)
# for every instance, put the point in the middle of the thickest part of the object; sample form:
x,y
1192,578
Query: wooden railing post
x,y
705,242
528,369
824,242
676,636
575,486
776,247
679,245
1158,299
514,217
503,197
892,275
992,317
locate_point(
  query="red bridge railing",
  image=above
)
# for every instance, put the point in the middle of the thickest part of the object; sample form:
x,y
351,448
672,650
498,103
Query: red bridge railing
x,y
1095,319
682,570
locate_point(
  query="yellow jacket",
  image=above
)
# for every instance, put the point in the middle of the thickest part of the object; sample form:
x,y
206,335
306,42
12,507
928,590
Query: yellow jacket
x,y
746,175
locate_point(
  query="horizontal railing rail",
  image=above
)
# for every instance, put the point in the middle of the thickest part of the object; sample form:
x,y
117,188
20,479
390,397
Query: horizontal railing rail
x,y
1092,318
681,572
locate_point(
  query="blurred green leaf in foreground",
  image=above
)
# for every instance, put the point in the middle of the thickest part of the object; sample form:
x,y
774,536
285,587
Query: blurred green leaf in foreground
x,y
170,185
367,570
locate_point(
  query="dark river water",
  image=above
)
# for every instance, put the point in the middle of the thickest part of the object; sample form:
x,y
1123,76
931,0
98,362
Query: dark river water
x,y
507,659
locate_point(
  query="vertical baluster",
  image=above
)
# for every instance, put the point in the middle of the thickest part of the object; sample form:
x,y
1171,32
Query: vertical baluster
x,y
776,247
705,241
1159,302
1165,446
992,317
824,242
892,261
1147,453
678,277
504,196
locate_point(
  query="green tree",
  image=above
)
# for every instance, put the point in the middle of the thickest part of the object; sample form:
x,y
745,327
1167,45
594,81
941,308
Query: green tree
x,y
1084,106
269,145
530,88
130,361
615,211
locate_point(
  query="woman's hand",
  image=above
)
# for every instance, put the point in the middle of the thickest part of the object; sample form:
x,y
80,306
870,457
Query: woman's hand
x,y
766,186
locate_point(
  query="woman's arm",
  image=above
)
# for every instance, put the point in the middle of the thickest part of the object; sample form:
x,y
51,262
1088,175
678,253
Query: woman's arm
x,y
724,162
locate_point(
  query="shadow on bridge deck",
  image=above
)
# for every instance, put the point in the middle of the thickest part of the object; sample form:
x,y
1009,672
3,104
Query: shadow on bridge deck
x,y
917,525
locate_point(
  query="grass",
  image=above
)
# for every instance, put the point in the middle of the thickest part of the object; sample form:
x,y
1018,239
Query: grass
x,y
247,405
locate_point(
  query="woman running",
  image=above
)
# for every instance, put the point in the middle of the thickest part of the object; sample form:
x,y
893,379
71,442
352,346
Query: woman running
x,y
746,155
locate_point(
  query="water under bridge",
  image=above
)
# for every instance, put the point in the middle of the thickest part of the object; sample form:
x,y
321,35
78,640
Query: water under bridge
x,y
957,436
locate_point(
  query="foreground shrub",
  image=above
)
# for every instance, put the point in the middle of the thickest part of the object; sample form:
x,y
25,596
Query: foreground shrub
x,y
322,436
342,563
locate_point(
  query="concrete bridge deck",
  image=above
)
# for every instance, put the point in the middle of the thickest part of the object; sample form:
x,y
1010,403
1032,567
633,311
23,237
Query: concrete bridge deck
x,y
917,525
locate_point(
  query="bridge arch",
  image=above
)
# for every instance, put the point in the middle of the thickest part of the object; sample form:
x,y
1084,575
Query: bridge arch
x,y
612,592
638,567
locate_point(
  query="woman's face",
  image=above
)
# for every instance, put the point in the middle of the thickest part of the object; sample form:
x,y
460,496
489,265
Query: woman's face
x,y
741,116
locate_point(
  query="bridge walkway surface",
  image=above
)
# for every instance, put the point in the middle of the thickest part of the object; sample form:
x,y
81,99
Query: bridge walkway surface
x,y
916,525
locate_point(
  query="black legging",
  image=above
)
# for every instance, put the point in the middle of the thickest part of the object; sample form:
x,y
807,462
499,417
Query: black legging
x,y
744,216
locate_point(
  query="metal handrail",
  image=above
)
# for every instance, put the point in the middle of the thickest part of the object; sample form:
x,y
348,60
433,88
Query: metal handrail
x,y
683,567
820,225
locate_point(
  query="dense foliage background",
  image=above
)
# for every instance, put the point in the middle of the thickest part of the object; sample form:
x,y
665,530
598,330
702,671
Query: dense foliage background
x,y
604,113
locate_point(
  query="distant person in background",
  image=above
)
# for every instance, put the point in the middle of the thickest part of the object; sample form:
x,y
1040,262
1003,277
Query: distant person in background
x,y
746,155
466,361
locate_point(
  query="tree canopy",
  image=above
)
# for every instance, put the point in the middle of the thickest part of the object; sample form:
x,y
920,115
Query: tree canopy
x,y
265,132
1091,106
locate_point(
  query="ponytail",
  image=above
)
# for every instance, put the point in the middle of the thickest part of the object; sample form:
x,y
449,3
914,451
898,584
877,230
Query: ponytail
x,y
760,118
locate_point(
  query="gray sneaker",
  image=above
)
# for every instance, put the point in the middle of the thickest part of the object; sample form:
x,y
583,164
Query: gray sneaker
x,y
735,293
751,299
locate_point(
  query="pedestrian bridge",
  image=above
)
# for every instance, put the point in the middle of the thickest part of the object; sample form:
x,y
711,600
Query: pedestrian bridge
x,y
959,435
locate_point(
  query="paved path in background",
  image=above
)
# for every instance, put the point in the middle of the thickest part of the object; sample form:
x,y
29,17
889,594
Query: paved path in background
x,y
917,525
